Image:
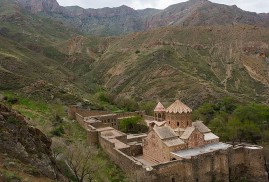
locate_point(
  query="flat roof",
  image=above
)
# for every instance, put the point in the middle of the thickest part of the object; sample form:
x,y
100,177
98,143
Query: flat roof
x,y
92,120
210,136
131,136
111,134
201,150
105,129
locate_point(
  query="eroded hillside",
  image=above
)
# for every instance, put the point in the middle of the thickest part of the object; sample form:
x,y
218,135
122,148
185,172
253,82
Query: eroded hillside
x,y
195,63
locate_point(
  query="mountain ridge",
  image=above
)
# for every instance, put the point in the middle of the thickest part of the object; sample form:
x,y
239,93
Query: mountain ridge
x,y
124,20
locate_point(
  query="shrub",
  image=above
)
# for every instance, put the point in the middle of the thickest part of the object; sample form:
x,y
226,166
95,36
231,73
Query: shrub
x,y
10,177
133,125
59,131
13,120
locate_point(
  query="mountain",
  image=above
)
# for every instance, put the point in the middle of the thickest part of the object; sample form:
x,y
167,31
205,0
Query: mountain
x,y
123,20
105,21
47,59
192,63
28,55
203,12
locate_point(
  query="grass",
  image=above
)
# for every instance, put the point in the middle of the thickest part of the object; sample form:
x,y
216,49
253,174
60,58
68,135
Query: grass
x,y
42,116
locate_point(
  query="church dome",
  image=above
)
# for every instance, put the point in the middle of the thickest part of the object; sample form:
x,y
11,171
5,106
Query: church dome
x,y
178,107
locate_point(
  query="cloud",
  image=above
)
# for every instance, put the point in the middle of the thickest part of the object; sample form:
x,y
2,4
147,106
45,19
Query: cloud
x,y
260,6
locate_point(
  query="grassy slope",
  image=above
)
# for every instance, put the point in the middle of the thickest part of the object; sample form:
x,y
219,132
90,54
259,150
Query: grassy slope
x,y
25,39
28,55
41,115
193,64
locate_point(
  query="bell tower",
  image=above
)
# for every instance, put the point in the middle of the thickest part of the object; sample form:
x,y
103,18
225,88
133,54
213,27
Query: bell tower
x,y
159,112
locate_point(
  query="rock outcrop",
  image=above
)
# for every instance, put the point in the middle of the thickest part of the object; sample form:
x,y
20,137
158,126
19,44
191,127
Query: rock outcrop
x,y
36,6
25,143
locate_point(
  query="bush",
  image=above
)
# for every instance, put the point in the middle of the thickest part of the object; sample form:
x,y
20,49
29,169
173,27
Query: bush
x,y
235,121
59,131
133,125
57,120
10,177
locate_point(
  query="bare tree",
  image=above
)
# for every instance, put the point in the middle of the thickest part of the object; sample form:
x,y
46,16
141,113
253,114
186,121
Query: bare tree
x,y
58,146
81,160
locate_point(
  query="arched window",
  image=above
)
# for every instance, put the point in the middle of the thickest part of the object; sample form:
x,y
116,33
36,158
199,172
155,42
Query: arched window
x,y
159,116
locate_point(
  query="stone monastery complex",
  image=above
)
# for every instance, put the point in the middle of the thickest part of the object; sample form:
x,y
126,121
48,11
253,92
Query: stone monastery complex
x,y
174,131
176,148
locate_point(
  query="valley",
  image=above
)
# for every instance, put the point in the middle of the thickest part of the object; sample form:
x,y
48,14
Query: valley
x,y
211,56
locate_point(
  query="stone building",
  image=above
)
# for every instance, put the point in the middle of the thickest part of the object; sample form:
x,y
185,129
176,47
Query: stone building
x,y
160,142
179,133
105,118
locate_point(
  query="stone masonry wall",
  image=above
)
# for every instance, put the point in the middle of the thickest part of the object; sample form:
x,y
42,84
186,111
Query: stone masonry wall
x,y
178,120
220,165
223,165
125,162
80,120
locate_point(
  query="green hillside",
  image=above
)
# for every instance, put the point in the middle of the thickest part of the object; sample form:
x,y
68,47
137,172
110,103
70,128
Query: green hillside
x,y
194,64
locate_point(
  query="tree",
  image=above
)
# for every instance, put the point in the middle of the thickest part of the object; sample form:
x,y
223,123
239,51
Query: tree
x,y
234,131
80,160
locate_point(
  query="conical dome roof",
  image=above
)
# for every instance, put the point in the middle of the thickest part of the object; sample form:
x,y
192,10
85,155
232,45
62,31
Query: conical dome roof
x,y
159,108
178,107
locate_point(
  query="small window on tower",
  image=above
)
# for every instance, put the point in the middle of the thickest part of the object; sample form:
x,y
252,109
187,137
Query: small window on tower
x,y
177,123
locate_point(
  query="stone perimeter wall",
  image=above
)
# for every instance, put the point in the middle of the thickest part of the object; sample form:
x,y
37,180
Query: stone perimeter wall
x,y
233,164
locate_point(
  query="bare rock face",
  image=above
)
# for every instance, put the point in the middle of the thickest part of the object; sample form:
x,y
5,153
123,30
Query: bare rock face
x,y
36,6
123,19
25,143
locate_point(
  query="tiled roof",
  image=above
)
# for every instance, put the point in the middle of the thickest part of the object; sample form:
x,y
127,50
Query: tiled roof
x,y
158,123
173,142
178,107
187,133
165,132
201,127
159,108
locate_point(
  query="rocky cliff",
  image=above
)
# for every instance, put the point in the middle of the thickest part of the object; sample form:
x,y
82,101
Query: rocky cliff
x,y
105,21
122,20
36,6
23,142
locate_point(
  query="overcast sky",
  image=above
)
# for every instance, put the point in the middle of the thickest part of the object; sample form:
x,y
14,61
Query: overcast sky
x,y
260,6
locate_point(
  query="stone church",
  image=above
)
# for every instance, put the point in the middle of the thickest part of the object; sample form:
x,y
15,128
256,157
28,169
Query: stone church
x,y
173,131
